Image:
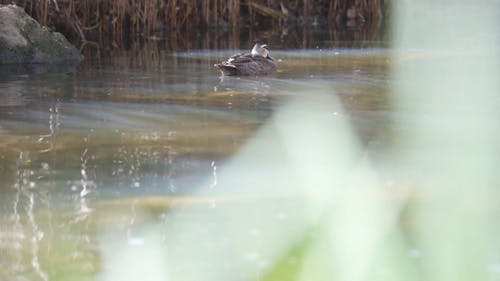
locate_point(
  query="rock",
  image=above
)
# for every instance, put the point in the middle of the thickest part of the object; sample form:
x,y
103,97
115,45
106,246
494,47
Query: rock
x,y
23,40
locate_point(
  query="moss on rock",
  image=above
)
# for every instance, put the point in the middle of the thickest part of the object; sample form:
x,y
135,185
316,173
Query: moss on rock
x,y
23,40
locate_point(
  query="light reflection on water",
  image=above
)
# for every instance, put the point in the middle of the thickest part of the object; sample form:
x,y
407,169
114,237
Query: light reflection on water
x,y
82,148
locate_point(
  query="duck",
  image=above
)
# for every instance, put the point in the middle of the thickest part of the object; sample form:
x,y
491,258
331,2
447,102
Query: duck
x,y
257,62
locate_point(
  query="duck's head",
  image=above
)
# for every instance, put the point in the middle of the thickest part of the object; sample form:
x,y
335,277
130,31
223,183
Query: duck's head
x,y
261,50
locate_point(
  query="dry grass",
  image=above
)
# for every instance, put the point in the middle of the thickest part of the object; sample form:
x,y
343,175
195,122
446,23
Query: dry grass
x,y
114,18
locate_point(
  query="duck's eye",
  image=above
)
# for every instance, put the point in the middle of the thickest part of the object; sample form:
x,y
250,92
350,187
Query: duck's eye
x,y
265,47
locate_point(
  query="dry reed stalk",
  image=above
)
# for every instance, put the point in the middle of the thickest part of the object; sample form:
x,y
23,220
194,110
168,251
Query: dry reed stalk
x,y
251,12
122,7
156,23
306,9
44,4
188,15
235,12
213,13
172,13
206,12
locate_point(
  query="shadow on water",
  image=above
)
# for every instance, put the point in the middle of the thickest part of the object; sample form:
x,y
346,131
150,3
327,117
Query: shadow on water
x,y
278,37
9,70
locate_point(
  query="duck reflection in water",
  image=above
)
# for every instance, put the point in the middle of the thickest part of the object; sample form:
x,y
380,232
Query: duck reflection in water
x,y
258,62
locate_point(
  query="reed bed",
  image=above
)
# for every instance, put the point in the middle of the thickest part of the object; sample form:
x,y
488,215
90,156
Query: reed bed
x,y
116,18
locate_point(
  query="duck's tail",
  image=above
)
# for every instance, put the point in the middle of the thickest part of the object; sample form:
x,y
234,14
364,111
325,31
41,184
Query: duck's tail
x,y
227,69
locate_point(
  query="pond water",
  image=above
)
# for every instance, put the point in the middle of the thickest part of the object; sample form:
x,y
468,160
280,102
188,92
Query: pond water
x,y
124,128
149,154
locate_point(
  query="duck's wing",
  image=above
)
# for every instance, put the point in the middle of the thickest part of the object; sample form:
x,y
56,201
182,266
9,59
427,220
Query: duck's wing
x,y
246,64
240,58
232,65
237,59
250,61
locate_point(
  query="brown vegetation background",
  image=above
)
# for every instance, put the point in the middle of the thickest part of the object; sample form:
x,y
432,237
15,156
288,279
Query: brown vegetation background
x,y
117,18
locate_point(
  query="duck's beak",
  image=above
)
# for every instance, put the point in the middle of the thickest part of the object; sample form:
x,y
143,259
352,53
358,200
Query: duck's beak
x,y
269,57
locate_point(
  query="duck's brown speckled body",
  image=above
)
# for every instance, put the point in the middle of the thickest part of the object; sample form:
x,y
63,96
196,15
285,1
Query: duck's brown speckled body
x,y
258,62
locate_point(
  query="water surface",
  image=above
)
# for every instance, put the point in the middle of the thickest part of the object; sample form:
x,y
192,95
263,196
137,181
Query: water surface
x,y
121,140
353,162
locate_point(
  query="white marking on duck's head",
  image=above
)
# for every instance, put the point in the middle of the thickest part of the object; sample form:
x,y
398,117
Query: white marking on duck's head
x,y
261,50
